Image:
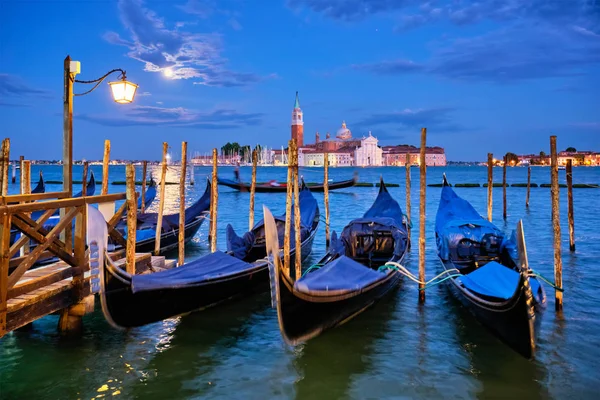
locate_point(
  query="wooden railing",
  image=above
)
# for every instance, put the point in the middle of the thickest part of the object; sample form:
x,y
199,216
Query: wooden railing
x,y
17,217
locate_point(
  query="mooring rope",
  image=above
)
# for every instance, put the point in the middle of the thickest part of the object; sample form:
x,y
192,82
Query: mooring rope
x,y
432,282
536,274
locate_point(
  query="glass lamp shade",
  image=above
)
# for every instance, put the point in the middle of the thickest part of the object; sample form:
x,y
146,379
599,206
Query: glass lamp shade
x,y
123,91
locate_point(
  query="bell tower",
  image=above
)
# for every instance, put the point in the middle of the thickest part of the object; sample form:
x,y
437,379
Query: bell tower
x,y
297,123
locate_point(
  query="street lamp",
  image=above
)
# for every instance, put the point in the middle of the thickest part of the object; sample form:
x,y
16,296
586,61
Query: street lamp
x,y
122,90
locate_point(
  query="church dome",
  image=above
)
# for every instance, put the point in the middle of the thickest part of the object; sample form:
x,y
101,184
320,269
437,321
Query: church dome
x,y
344,133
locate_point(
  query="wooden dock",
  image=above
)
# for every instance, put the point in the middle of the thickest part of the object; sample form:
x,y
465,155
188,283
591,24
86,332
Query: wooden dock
x,y
28,290
47,289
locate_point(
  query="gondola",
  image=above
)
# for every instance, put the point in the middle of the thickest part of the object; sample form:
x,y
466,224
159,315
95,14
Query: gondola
x,y
129,301
90,188
169,239
486,272
280,187
149,196
251,246
350,278
41,186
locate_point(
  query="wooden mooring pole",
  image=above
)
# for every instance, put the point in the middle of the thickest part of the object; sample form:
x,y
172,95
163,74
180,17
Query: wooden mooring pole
x,y
569,172
21,159
422,210
131,218
182,173
252,190
326,199
288,212
85,177
297,232
161,202
490,185
5,161
528,187
504,187
407,165
214,200
558,296
105,161
144,177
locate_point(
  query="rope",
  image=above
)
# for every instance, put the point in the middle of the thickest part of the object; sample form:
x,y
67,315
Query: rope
x,y
408,220
311,268
432,282
543,278
323,220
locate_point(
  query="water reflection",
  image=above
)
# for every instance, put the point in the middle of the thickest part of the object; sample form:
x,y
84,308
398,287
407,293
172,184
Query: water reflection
x,y
340,354
498,368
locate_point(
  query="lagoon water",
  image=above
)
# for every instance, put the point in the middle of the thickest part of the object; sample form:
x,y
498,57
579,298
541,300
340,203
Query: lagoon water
x,y
397,349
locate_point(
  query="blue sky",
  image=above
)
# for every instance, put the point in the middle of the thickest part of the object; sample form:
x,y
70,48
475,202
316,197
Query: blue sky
x,y
485,76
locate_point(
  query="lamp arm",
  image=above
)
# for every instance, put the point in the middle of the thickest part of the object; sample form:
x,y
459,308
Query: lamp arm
x,y
99,81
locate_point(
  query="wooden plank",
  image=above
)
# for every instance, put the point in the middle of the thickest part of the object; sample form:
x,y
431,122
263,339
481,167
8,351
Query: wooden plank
x,y
48,240
63,203
14,262
17,198
157,262
142,262
39,236
29,284
169,264
59,298
24,238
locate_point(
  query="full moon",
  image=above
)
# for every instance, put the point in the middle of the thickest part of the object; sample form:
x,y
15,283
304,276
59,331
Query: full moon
x,y
168,72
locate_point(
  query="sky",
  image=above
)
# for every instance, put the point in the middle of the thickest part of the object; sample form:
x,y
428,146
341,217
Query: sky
x,y
485,76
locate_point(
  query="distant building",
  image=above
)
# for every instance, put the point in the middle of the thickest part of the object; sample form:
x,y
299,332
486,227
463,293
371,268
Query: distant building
x,y
396,155
576,157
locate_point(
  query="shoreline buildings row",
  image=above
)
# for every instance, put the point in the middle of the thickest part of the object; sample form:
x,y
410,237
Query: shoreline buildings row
x,y
344,150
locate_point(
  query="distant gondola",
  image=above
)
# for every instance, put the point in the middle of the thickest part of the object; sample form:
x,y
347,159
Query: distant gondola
x,y
41,186
350,278
488,279
281,187
129,301
169,239
251,246
90,188
149,196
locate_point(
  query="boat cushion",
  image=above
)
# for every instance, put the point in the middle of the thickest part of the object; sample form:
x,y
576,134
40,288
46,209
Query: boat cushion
x,y
495,280
212,266
341,275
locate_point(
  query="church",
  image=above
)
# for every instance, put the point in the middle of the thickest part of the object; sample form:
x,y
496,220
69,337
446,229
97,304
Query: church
x,y
342,151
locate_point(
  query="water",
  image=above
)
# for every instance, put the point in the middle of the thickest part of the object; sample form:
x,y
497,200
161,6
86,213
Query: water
x,y
397,349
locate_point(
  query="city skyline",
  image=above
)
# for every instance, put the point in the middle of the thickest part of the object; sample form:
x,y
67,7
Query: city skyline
x,y
481,78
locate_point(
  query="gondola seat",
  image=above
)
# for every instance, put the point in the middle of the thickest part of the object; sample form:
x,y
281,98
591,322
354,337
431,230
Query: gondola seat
x,y
341,276
213,266
495,280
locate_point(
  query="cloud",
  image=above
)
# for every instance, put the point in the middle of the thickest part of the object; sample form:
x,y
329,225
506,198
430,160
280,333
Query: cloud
x,y
187,55
349,10
587,126
143,94
515,53
434,119
202,9
14,92
390,67
414,13
177,117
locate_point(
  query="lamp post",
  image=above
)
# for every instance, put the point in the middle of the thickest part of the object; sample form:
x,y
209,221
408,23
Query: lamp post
x,y
123,93
122,90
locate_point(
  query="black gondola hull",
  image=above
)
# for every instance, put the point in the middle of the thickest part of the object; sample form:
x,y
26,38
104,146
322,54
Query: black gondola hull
x,y
304,317
242,187
170,240
513,321
126,309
